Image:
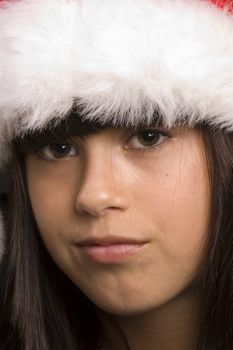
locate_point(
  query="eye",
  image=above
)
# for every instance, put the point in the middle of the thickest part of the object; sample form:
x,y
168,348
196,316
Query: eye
x,y
143,139
57,151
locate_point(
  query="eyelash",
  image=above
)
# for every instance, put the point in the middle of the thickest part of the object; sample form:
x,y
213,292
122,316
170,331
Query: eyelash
x,y
39,150
152,148
42,156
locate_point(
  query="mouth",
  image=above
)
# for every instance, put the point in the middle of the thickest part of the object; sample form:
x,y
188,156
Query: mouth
x,y
109,249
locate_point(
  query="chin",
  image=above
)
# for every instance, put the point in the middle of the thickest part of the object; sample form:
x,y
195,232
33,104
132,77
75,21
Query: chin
x,y
129,307
132,303
126,311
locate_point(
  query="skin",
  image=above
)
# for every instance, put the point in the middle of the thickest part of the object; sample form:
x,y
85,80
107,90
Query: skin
x,y
112,184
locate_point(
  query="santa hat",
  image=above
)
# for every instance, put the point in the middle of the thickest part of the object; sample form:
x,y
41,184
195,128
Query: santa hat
x,y
120,61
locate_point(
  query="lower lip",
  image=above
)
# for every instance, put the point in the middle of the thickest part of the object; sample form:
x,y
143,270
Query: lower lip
x,y
110,253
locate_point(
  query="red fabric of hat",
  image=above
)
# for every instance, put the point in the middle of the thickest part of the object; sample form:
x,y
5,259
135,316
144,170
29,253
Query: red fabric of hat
x,y
223,3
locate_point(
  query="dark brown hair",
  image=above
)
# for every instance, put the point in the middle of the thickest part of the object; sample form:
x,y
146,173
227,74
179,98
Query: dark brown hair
x,y
216,331
43,310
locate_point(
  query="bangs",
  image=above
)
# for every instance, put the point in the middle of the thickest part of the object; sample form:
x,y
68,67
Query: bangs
x,y
73,126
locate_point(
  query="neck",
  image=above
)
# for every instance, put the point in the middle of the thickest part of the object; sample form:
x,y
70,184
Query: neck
x,y
173,326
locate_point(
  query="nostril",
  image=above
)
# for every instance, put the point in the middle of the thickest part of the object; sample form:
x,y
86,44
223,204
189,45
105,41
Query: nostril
x,y
99,203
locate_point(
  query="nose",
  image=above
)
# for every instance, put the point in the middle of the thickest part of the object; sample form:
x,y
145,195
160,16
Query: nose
x,y
101,188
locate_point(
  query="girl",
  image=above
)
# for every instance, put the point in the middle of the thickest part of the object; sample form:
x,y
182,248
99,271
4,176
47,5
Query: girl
x,y
116,122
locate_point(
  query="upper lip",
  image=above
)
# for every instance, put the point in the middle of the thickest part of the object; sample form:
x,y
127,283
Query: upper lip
x,y
108,240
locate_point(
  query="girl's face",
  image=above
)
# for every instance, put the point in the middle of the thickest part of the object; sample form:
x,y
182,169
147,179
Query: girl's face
x,y
124,213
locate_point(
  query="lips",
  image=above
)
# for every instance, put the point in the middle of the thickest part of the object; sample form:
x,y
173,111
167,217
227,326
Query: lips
x,y
108,240
109,249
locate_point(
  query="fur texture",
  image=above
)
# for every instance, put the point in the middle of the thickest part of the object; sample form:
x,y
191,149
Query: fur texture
x,y
119,60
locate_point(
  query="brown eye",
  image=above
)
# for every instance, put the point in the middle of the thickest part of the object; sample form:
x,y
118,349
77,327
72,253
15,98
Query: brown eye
x,y
146,139
57,151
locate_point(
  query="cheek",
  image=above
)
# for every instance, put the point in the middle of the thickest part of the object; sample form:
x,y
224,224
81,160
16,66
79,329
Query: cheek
x,y
178,203
52,198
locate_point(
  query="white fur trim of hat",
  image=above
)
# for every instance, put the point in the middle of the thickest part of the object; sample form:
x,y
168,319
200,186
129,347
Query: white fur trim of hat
x,y
119,60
